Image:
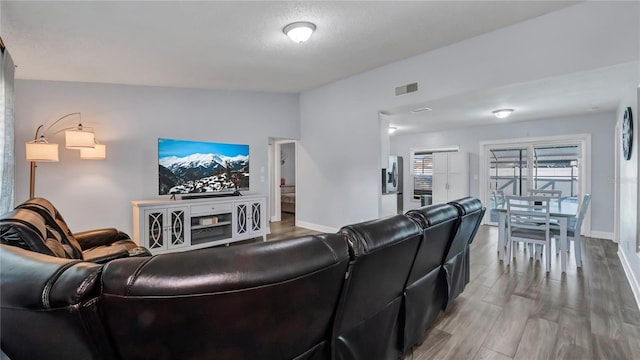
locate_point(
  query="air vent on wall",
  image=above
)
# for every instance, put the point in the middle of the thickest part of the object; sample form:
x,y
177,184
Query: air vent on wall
x,y
405,89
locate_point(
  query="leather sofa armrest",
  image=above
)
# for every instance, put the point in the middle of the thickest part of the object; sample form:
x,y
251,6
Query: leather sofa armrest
x,y
99,237
104,254
36,281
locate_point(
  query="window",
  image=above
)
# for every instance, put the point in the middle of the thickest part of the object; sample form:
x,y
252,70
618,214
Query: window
x,y
422,170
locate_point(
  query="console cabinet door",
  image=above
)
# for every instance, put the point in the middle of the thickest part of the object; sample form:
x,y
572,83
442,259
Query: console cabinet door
x,y
165,228
249,218
178,228
153,233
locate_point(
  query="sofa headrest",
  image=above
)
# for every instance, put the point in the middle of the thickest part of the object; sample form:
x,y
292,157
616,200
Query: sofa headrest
x,y
432,215
224,268
55,222
38,203
467,205
369,236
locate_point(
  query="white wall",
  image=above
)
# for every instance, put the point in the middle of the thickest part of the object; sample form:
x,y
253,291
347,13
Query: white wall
x,y
288,169
600,125
629,196
340,147
129,120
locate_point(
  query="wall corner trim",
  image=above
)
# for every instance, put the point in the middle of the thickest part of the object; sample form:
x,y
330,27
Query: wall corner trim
x,y
316,227
633,281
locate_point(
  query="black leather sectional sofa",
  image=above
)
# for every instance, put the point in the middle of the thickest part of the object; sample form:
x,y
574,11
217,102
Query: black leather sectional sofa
x,y
368,292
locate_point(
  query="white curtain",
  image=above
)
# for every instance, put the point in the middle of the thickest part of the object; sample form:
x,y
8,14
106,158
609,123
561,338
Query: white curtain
x,y
7,166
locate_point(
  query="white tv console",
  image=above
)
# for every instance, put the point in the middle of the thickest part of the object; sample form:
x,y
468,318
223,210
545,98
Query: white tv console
x,y
178,225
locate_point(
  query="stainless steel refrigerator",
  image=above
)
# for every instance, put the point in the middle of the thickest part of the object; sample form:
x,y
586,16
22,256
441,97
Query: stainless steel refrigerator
x,y
392,180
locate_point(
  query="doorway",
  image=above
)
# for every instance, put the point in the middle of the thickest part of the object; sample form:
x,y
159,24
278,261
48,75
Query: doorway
x,y
284,179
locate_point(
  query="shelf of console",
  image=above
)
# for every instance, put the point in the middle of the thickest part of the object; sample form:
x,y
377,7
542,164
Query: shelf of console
x,y
164,226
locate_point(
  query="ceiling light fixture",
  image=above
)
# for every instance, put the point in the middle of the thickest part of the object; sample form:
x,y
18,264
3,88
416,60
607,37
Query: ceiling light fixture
x,y
502,113
421,109
299,31
392,129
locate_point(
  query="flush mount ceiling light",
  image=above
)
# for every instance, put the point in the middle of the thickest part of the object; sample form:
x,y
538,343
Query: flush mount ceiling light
x,y
299,31
502,113
421,109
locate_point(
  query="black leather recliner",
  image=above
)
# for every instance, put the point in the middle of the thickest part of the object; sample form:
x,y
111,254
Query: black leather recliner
x,y
456,265
367,321
272,300
98,245
49,307
426,292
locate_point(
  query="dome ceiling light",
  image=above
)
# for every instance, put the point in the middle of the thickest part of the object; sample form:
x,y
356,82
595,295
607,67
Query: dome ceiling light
x,y
299,31
502,113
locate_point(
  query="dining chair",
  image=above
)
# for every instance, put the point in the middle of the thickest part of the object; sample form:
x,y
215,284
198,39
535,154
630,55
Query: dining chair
x,y
528,222
551,193
574,226
497,197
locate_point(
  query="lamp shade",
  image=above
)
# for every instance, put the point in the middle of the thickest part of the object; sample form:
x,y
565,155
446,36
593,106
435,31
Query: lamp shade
x,y
42,151
79,139
99,152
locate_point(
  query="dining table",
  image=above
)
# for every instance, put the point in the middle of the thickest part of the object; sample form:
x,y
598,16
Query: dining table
x,y
560,211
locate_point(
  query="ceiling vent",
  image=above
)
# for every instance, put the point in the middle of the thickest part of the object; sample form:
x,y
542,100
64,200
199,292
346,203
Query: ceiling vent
x,y
406,89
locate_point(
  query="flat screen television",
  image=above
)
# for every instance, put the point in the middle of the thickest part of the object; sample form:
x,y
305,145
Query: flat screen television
x,y
197,167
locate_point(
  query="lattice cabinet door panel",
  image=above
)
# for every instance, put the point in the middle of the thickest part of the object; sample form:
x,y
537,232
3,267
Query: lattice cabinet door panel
x,y
154,229
165,229
178,228
242,219
250,218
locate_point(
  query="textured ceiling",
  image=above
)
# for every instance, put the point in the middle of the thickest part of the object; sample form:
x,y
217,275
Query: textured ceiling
x,y
237,45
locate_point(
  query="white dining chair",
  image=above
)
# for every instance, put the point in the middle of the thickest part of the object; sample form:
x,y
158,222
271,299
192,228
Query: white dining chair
x,y
498,197
574,226
551,193
528,222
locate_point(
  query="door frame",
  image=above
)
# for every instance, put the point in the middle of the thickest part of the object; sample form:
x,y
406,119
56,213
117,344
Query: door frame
x,y
585,168
275,179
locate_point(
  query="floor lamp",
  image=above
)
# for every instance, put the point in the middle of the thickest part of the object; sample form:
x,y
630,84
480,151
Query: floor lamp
x,y
77,137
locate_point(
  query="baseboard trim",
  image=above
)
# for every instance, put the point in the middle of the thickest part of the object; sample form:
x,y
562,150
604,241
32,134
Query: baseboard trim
x,y
602,235
316,227
633,281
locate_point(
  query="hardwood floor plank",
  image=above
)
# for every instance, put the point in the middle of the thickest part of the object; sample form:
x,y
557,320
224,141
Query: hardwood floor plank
x,y
574,337
537,340
610,349
633,337
433,343
486,354
506,333
467,326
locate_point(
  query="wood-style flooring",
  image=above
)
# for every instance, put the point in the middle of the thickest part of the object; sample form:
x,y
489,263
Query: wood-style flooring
x,y
521,312
286,229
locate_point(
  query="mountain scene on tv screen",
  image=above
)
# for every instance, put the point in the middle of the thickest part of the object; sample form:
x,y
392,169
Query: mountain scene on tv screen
x,y
200,173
